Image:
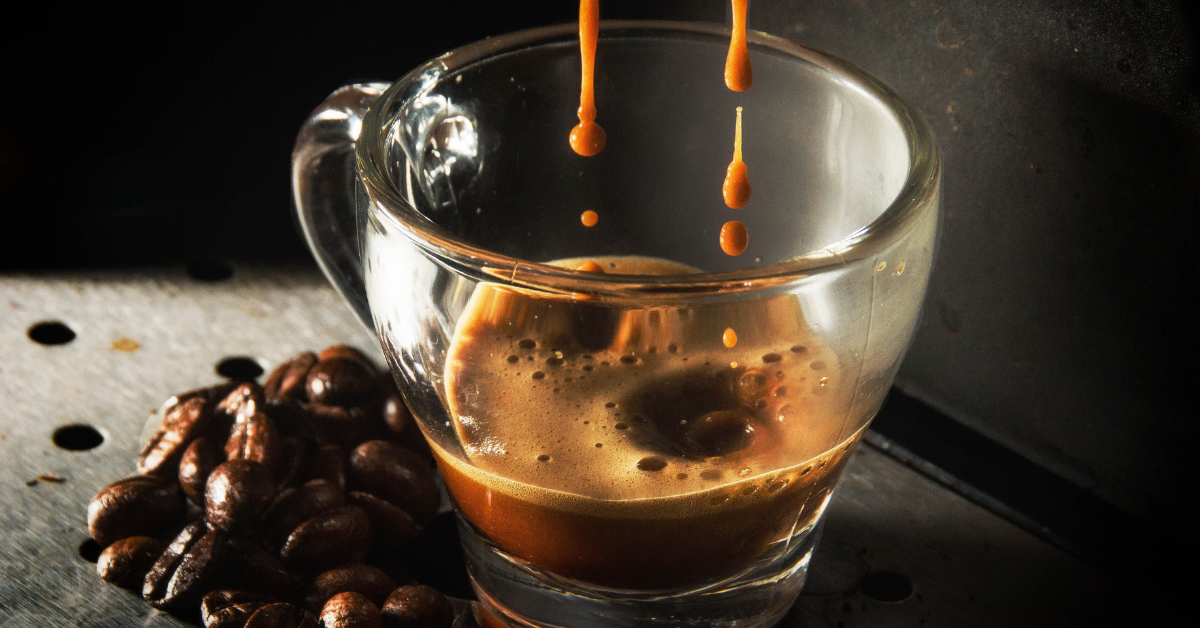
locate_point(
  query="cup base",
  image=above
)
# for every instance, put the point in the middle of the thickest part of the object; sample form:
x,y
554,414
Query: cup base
x,y
515,594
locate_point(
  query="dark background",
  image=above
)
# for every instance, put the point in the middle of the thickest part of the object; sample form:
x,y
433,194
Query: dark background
x,y
1057,335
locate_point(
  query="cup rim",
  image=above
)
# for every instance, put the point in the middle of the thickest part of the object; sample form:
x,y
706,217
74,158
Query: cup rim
x,y
915,198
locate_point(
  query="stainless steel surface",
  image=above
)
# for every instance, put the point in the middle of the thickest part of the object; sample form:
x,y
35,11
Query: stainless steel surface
x,y
968,567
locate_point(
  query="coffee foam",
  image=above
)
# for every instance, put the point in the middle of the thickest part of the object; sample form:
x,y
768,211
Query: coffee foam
x,y
545,395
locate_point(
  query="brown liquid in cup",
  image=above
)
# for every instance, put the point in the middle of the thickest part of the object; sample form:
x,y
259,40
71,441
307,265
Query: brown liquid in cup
x,y
629,448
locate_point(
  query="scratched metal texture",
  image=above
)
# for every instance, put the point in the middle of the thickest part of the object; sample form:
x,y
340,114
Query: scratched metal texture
x,y
968,567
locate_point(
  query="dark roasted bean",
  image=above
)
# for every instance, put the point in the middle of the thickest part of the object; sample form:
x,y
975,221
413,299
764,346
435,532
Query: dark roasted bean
x,y
135,506
230,609
289,468
362,579
417,606
396,474
288,379
126,562
251,568
295,506
237,494
346,426
339,381
350,610
334,537
390,525
345,351
187,569
254,438
293,418
414,439
199,459
244,400
329,464
181,423
281,615
395,414
211,394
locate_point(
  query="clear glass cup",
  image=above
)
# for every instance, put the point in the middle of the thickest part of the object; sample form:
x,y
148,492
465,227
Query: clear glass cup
x,y
613,462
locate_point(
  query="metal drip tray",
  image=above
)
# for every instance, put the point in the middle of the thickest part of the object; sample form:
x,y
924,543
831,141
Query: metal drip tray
x,y
898,549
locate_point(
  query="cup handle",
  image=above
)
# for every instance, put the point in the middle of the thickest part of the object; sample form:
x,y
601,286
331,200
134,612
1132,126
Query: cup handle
x,y
324,189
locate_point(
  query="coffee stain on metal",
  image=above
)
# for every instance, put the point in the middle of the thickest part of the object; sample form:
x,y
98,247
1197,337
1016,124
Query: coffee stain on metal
x,y
947,36
125,345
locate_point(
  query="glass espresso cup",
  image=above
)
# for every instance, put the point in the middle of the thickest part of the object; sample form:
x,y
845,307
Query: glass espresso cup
x,y
655,444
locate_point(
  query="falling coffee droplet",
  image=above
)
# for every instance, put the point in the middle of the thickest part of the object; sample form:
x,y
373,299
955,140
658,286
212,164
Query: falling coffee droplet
x,y
729,337
738,75
587,138
734,238
590,267
589,218
736,189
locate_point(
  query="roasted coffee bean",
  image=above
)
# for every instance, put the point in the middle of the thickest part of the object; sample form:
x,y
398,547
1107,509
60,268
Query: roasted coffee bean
x,y
181,423
230,609
396,474
281,615
126,562
295,506
362,579
417,606
290,467
339,381
287,381
347,426
350,610
254,438
390,525
346,351
187,569
192,511
135,506
415,440
237,494
293,418
332,538
251,568
244,400
329,464
211,394
199,459
395,414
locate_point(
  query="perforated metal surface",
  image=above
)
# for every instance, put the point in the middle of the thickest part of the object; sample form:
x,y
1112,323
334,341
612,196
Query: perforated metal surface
x,y
967,567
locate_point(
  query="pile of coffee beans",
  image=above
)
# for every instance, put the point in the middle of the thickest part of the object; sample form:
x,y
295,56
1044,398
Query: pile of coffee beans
x,y
262,505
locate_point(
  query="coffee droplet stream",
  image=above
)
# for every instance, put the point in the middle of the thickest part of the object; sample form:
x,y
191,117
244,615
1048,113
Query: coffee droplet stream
x,y
736,188
734,238
587,138
738,75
